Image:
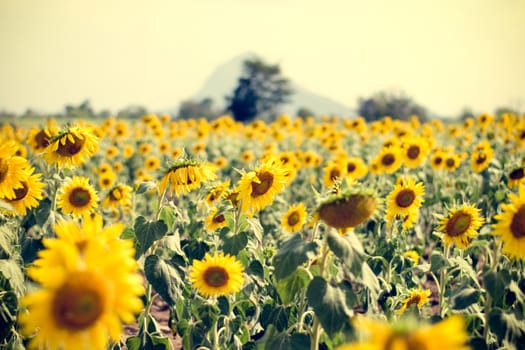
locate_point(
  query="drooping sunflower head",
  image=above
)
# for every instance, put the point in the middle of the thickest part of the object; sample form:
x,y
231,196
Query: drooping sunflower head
x,y
294,218
88,288
460,225
39,138
72,146
215,220
186,175
510,225
351,205
77,197
217,275
258,188
217,192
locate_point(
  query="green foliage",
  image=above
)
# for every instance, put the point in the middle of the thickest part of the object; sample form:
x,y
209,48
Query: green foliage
x,y
395,105
294,252
147,232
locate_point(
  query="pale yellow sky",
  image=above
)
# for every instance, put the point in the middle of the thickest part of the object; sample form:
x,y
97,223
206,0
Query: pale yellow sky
x,y
446,54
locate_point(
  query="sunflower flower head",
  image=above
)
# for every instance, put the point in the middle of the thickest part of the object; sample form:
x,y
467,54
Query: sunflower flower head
x,y
258,188
417,297
72,146
186,175
77,197
460,225
510,225
294,218
88,287
349,206
217,275
408,333
28,196
405,200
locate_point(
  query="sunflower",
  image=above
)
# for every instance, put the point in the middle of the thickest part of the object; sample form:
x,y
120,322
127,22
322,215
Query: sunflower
x,y
128,151
247,156
107,179
451,162
294,218
414,151
217,192
185,175
215,220
152,163
220,162
460,225
111,152
510,225
437,159
412,255
145,148
333,173
406,197
38,139
408,333
417,297
481,156
13,170
355,167
71,146
516,177
77,197
258,188
389,159
217,275
29,195
88,288
349,207
118,196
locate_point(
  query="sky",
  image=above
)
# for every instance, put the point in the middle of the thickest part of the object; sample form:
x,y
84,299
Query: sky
x,y
447,55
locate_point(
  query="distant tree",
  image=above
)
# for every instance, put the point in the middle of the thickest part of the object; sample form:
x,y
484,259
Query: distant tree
x,y
465,114
198,109
305,112
395,105
82,111
132,112
503,110
261,90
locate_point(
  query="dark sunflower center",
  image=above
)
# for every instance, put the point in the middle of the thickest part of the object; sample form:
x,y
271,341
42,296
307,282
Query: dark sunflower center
x,y
413,152
70,148
219,218
266,181
458,224
350,167
4,167
517,174
293,219
405,198
450,162
413,300
335,174
115,195
78,304
106,181
216,276
388,159
41,139
517,226
522,135
481,158
438,160
79,197
20,193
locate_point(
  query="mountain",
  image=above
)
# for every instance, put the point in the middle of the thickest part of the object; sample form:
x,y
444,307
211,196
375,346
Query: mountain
x,y
223,81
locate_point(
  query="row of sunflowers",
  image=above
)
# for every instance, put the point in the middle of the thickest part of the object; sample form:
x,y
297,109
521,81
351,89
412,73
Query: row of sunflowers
x,y
301,233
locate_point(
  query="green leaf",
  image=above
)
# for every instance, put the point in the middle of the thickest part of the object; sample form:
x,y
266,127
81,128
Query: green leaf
x,y
30,249
495,286
465,297
466,268
348,248
438,261
274,340
11,270
7,239
8,309
167,214
133,343
42,212
233,243
329,304
163,278
148,232
146,186
292,286
255,268
294,252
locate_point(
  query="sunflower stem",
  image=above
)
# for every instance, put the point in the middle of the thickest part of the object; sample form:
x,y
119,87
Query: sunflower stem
x,y
316,333
442,284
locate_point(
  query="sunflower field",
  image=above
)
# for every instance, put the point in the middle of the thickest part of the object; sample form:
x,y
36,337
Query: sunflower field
x,y
300,233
